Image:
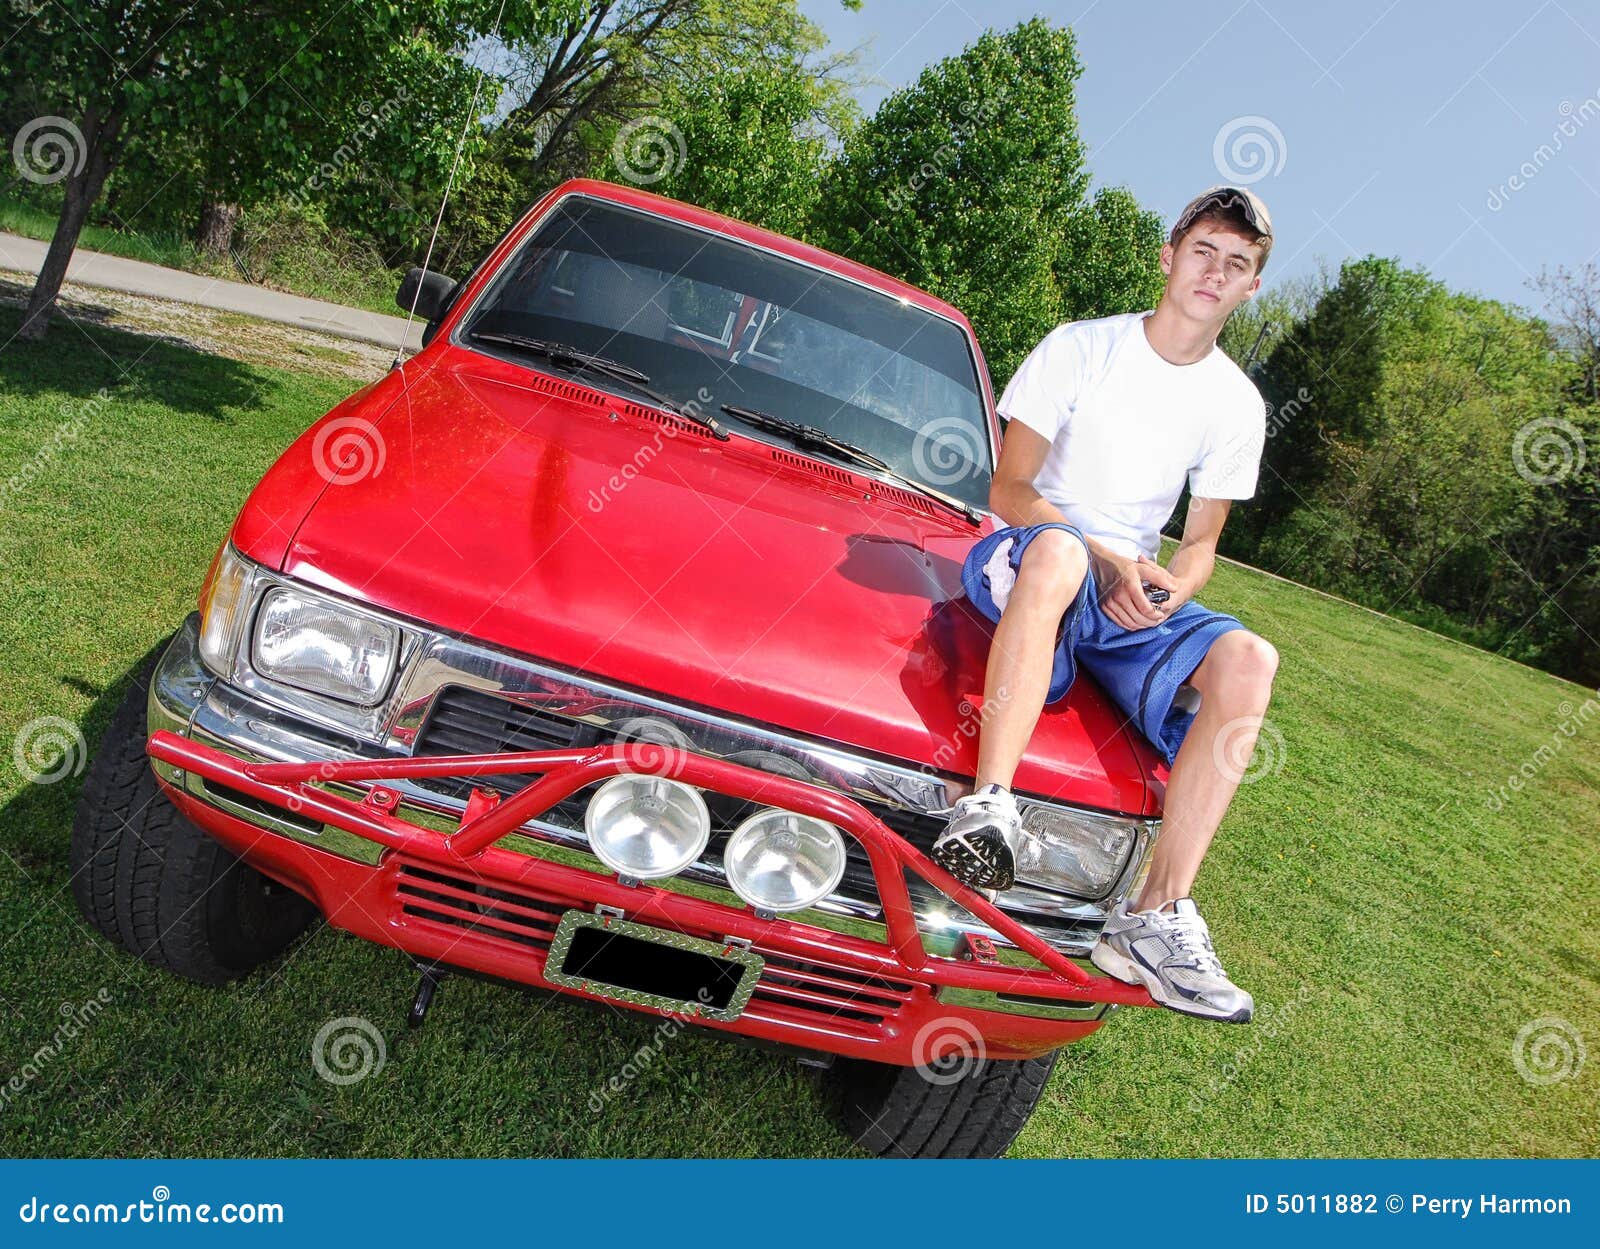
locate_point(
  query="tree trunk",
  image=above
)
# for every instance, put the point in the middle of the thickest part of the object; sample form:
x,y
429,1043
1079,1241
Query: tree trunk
x,y
82,190
217,221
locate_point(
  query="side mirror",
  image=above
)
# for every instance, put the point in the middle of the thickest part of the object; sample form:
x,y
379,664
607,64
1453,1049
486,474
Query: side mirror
x,y
431,292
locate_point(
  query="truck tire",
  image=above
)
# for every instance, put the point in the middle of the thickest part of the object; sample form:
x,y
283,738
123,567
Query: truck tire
x,y
907,1112
157,885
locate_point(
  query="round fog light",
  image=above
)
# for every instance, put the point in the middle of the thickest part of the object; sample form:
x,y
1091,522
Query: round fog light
x,y
647,826
780,861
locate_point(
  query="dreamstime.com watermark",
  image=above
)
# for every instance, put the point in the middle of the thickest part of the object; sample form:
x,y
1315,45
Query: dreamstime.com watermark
x,y
158,1208
1548,449
67,432
1548,1051
948,450
1277,420
347,1050
348,449
48,749
641,1059
648,149
1572,719
967,728
377,117
1573,118
657,746
640,460
1248,749
48,149
76,1018
1269,1021
948,1050
975,114
1248,149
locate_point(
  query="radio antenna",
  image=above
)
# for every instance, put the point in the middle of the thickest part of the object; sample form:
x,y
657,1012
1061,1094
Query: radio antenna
x,y
1260,338
449,182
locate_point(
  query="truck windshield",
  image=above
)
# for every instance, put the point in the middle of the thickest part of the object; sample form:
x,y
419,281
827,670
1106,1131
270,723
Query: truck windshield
x,y
712,321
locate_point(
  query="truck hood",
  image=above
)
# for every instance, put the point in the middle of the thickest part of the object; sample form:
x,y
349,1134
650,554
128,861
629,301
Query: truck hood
x,y
593,534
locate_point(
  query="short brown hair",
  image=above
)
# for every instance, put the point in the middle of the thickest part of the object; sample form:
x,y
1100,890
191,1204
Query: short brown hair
x,y
1231,217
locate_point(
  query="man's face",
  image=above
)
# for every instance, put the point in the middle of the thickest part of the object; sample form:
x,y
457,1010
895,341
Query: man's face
x,y
1210,272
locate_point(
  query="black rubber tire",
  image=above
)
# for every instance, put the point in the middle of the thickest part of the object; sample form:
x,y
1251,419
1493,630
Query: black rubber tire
x,y
899,1112
157,885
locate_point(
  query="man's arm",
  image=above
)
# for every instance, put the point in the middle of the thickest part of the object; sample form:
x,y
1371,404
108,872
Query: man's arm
x,y
1191,564
1013,498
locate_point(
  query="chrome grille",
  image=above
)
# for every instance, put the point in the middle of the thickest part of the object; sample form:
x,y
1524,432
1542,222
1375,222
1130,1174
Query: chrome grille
x,y
464,720
528,921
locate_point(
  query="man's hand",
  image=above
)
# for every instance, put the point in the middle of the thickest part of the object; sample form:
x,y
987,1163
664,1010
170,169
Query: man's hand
x,y
1122,597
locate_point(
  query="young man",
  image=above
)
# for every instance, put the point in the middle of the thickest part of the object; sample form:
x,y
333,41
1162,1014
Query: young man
x,y
1108,418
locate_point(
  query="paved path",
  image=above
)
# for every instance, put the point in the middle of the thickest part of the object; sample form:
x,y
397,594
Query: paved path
x,y
136,277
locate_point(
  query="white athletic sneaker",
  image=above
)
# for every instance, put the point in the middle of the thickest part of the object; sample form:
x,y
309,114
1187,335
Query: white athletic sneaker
x,y
1171,955
978,846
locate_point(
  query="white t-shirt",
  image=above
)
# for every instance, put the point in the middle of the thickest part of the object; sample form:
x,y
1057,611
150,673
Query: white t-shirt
x,y
1127,427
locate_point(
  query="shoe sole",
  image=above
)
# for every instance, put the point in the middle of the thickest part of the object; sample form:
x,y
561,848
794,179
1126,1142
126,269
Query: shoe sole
x,y
981,860
1120,967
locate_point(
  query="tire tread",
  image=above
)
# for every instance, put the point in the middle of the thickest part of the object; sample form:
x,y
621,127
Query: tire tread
x,y
147,878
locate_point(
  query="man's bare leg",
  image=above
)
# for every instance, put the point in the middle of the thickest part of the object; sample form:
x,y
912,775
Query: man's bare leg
x,y
1020,659
978,845
1235,684
1172,955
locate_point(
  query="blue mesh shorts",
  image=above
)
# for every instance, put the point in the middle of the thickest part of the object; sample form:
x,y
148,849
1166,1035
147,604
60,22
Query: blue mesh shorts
x,y
1141,669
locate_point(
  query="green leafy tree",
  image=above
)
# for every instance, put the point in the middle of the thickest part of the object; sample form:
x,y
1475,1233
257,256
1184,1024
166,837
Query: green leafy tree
x,y
1107,261
620,74
745,149
971,183
258,93
611,61
1321,384
1426,456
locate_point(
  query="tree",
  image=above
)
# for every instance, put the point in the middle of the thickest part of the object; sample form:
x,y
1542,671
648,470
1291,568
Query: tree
x,y
1426,456
971,183
268,88
632,70
1260,325
1573,298
1107,262
744,149
611,60
1321,383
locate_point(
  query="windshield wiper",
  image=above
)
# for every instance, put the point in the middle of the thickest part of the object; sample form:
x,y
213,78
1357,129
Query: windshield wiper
x,y
586,361
811,436
563,353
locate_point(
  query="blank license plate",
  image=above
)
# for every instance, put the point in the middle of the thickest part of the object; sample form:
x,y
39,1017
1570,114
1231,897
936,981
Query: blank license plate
x,y
644,966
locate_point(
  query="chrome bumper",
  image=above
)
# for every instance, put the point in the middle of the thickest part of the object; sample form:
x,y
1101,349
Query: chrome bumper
x,y
186,698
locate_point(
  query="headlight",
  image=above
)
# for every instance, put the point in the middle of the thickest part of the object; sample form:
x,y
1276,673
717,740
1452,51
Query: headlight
x,y
1080,855
647,826
780,861
222,613
317,646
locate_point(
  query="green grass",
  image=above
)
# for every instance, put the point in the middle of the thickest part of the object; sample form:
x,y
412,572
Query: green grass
x,y
170,248
1397,931
298,270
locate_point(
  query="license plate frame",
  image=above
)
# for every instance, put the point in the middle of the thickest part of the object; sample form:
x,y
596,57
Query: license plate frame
x,y
573,926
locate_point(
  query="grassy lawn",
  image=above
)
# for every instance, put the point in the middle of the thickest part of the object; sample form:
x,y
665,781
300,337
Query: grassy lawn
x,y
1397,932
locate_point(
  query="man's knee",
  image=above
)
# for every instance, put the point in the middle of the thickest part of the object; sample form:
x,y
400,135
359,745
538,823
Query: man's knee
x,y
1055,561
1239,663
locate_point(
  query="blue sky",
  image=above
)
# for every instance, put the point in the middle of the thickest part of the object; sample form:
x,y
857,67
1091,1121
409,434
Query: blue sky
x,y
1370,126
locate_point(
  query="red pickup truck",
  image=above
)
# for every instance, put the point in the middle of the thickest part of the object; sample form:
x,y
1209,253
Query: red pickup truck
x,y
614,646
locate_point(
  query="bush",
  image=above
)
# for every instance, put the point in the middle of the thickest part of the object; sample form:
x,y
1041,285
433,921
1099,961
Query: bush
x,y
291,247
